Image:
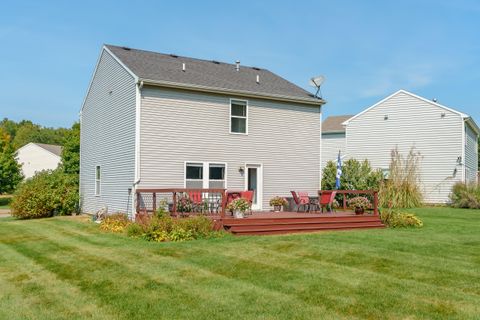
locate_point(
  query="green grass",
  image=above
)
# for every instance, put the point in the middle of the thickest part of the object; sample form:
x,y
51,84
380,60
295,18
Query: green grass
x,y
62,268
5,202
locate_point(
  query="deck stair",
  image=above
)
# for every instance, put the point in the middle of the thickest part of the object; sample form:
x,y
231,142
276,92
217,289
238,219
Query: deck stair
x,y
260,224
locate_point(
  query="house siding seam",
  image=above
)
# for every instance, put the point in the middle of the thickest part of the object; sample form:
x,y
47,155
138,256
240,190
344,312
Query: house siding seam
x,y
178,126
108,137
331,144
411,122
471,154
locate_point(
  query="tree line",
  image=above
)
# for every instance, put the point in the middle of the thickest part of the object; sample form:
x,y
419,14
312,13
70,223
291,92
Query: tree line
x,y
14,135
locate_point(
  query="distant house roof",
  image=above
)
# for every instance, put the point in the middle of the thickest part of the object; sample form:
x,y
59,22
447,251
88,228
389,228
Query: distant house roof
x,y
333,124
56,150
204,75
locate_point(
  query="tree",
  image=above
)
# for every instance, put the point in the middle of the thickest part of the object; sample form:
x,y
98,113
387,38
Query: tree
x,y
71,150
356,175
10,172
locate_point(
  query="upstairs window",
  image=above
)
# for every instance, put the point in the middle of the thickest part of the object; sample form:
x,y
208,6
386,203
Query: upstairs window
x,y
97,180
238,116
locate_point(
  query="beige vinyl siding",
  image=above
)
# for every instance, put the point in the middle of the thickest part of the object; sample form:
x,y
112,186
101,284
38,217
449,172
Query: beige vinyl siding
x,y
331,144
108,137
178,126
411,122
471,154
34,159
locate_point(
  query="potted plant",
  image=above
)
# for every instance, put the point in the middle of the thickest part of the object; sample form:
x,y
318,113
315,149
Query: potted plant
x,y
359,204
277,203
238,207
184,204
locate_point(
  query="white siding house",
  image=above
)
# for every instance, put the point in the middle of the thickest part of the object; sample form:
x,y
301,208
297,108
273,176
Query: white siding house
x,y
153,120
333,138
445,138
36,157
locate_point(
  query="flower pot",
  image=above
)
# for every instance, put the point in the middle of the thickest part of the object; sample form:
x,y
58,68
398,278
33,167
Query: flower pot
x,y
359,210
238,214
277,208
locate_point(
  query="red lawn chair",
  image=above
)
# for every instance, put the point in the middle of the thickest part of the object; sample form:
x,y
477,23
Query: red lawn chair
x,y
248,195
300,201
197,200
326,200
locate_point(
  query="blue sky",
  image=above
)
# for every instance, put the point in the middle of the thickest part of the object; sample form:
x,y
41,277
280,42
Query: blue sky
x,y
366,49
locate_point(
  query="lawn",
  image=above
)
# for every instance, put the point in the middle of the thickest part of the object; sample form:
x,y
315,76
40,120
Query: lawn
x,y
66,268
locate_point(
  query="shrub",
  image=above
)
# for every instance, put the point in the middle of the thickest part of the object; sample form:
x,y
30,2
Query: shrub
x,y
402,189
359,202
465,195
134,230
184,204
396,219
170,229
115,223
356,175
46,194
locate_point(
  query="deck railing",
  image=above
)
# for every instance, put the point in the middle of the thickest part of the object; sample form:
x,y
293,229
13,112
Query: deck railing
x,y
181,201
370,193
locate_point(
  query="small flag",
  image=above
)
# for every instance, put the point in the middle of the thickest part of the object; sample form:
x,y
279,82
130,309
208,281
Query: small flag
x,y
339,172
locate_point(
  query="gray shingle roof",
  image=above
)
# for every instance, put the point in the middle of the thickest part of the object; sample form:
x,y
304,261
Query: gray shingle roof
x,y
334,123
161,68
57,150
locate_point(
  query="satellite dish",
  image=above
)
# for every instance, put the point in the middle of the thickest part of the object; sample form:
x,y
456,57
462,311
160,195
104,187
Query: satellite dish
x,y
316,82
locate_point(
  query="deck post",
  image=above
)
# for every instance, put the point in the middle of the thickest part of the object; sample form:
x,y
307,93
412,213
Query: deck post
x,y
344,202
154,205
224,203
375,203
174,202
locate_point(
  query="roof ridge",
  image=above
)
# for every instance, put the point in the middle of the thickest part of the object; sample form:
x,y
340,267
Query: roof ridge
x,y
186,57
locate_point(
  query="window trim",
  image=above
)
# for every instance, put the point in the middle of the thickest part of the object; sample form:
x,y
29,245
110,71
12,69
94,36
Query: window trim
x,y
99,181
239,117
206,173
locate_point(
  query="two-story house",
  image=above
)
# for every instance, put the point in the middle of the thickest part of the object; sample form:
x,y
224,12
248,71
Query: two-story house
x,y
152,120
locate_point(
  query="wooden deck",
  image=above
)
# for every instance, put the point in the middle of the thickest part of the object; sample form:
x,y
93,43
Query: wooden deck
x,y
264,223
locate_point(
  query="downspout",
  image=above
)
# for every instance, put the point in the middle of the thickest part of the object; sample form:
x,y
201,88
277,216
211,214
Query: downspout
x,y
138,98
80,166
320,156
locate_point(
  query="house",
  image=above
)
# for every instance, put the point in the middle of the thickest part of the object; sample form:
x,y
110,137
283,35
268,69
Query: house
x,y
333,138
445,138
153,120
35,157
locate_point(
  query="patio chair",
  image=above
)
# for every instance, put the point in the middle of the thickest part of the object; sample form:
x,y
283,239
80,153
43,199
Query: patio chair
x,y
248,195
326,200
300,202
198,203
312,203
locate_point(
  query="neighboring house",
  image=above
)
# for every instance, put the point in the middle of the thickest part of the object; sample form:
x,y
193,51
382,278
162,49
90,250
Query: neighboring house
x,y
35,157
333,138
152,120
445,138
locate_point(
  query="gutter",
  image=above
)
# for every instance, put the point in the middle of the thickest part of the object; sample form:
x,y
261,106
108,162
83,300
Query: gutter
x,y
176,85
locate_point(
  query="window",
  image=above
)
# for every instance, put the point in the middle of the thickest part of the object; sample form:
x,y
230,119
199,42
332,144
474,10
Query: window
x,y
194,175
238,116
203,175
216,176
97,180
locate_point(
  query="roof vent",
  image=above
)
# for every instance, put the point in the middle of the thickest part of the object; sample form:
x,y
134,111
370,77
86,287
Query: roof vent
x,y
258,79
173,55
237,65
126,48
183,67
434,99
255,68
215,61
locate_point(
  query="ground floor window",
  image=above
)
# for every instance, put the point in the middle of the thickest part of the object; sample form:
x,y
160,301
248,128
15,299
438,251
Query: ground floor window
x,y
97,180
205,175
